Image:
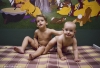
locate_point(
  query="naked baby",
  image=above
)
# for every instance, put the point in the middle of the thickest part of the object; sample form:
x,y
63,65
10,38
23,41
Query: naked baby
x,y
64,41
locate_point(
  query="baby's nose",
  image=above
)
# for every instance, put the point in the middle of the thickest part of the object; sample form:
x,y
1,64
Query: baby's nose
x,y
68,31
39,22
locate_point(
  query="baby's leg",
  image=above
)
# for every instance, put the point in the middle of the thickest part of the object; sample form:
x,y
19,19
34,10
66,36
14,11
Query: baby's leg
x,y
25,42
37,53
51,43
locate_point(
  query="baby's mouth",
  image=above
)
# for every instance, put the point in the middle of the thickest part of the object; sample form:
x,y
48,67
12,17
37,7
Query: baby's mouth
x,y
68,34
40,25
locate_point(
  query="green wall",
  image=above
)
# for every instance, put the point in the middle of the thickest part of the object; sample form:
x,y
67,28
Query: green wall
x,y
15,37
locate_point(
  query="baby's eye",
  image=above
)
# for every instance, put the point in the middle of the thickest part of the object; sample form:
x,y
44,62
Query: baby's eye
x,y
71,30
37,20
42,20
66,29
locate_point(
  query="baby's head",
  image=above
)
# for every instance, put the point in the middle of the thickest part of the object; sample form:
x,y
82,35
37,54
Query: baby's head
x,y
70,25
42,17
41,21
69,29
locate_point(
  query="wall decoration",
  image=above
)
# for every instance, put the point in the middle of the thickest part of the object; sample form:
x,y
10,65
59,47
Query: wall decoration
x,y
20,14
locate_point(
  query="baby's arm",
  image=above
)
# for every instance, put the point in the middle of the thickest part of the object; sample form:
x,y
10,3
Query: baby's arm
x,y
35,38
75,50
55,32
59,49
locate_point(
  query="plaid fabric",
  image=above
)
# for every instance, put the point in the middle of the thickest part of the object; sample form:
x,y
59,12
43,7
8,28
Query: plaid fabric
x,y
90,58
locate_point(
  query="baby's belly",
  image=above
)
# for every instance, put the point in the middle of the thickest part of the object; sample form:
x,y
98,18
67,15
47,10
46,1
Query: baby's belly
x,y
43,43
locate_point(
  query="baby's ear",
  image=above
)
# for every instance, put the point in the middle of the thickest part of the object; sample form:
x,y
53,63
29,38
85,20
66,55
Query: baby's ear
x,y
75,31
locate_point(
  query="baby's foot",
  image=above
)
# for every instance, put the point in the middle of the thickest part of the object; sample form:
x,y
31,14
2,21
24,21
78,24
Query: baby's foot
x,y
31,57
19,50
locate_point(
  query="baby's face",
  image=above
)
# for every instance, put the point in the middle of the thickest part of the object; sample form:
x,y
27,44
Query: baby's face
x,y
69,30
41,23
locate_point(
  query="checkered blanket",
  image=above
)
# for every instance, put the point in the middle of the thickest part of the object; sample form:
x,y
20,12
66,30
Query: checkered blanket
x,y
90,58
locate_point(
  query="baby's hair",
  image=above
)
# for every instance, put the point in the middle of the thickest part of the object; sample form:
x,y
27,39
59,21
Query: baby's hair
x,y
41,16
71,23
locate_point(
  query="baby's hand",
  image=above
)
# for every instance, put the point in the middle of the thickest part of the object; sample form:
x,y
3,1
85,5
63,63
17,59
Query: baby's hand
x,y
63,58
77,60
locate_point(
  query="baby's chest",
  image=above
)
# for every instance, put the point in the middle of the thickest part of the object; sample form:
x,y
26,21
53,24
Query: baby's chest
x,y
44,36
66,43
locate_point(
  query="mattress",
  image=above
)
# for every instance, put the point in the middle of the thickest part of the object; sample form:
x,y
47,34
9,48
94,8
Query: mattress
x,y
90,58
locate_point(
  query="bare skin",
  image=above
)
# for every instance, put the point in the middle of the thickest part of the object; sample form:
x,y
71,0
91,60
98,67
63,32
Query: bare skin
x,y
50,45
19,50
67,39
64,41
27,39
41,38
37,53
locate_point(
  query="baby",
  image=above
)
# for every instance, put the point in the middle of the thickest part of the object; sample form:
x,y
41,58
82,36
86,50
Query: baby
x,y
41,38
64,41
